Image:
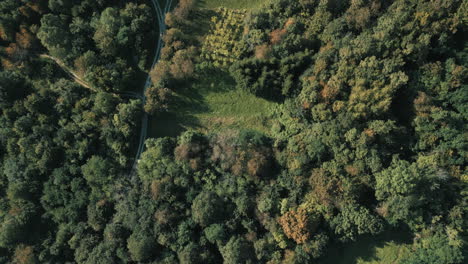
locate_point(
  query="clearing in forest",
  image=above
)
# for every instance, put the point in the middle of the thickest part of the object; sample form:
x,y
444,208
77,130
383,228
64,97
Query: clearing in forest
x,y
210,102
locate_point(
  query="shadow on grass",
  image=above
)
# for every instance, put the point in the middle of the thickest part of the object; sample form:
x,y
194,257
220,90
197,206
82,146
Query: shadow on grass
x,y
189,101
202,21
365,248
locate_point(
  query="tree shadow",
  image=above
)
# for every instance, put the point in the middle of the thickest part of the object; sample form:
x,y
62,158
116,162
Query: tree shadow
x,y
169,124
201,4
201,21
189,101
364,248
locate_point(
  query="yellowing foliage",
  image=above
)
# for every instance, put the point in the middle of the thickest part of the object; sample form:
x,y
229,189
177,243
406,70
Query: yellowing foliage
x,y
296,225
222,46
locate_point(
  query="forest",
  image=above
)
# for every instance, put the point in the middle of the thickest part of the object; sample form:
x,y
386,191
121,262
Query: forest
x,y
270,131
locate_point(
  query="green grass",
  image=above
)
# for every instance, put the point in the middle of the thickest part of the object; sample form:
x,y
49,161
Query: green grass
x,y
211,104
386,248
238,4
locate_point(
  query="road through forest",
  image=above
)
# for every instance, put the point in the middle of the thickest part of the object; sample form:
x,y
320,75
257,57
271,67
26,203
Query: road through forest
x,y
160,15
144,122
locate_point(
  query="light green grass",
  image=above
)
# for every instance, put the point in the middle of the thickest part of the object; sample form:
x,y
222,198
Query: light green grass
x,y
389,253
211,104
238,4
387,248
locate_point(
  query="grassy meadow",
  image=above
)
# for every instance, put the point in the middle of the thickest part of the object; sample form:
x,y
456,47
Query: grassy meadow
x,y
386,248
211,103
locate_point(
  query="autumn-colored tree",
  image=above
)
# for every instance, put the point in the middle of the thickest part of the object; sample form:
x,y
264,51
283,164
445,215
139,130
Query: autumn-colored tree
x,y
25,39
182,66
160,72
261,52
170,20
324,187
358,14
183,9
277,35
191,149
6,31
165,216
162,189
298,225
157,99
24,255
259,164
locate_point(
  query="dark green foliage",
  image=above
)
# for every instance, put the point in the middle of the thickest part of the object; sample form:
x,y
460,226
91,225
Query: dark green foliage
x,y
435,248
355,220
46,177
238,250
207,209
369,132
271,78
54,35
17,225
98,48
141,246
13,87
191,254
215,233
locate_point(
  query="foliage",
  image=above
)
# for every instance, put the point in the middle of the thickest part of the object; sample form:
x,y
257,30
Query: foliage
x,y
222,46
366,101
297,225
207,209
354,220
435,247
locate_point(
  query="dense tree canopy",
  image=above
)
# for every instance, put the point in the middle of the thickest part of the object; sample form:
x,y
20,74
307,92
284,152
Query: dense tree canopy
x,y
368,135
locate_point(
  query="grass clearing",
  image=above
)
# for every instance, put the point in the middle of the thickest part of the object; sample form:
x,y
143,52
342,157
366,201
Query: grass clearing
x,y
236,4
210,104
386,248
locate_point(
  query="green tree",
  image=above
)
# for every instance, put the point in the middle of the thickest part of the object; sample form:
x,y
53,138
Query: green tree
x,y
401,178
434,247
99,173
141,246
216,233
238,250
54,35
355,220
207,208
111,34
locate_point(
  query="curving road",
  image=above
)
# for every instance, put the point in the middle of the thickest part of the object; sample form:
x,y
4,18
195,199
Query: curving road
x,y
160,13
